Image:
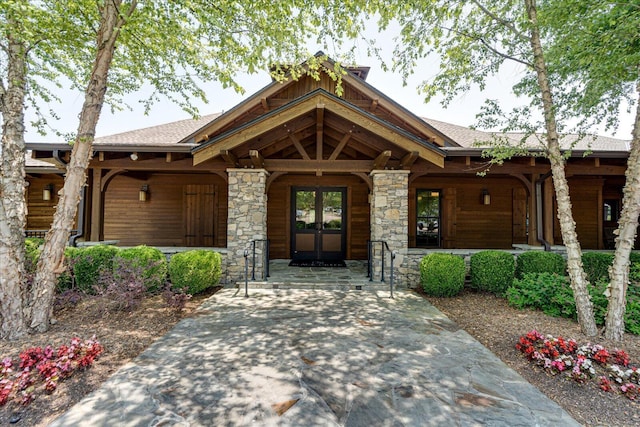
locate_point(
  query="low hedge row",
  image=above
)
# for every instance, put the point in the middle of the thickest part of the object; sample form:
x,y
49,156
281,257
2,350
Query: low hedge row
x,y
191,271
442,275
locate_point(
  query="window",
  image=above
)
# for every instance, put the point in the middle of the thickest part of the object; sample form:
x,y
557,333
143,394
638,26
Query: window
x,y
428,218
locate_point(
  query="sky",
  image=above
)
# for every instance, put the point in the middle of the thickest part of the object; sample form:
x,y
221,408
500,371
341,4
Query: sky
x,y
462,111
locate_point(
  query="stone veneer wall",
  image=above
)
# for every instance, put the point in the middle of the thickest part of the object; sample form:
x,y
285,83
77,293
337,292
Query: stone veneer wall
x,y
390,220
247,219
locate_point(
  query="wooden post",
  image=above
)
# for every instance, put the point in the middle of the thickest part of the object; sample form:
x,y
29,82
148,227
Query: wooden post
x,y
533,220
96,206
549,218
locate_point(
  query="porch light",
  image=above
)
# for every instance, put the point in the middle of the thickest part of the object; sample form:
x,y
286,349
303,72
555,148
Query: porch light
x,y
133,156
46,192
142,195
486,197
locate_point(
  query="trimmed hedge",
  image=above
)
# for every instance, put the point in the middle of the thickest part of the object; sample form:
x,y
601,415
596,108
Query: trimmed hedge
x,y
492,271
442,275
89,262
539,262
596,265
194,271
152,261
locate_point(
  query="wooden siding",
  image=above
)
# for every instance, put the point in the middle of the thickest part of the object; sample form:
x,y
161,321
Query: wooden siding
x,y
181,210
586,200
279,212
466,221
40,212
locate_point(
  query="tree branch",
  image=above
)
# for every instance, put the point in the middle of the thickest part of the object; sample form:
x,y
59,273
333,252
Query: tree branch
x,y
503,22
488,46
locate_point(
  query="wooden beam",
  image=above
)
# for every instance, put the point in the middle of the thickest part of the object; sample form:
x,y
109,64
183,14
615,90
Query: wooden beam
x,y
374,105
532,161
408,160
299,147
312,166
597,162
343,142
101,156
319,130
168,157
381,161
265,104
547,215
105,179
256,159
467,160
230,158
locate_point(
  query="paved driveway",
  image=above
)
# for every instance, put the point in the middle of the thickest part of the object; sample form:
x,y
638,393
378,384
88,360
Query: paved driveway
x,y
316,358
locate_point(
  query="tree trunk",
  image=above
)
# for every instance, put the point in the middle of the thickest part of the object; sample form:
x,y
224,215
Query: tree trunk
x,y
13,208
627,229
567,224
52,257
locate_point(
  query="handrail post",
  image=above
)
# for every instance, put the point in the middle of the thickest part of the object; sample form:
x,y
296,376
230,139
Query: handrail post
x,y
253,260
266,259
393,257
369,255
382,243
246,273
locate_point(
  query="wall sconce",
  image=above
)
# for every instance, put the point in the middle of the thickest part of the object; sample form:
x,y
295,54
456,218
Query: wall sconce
x,y
46,192
486,197
144,191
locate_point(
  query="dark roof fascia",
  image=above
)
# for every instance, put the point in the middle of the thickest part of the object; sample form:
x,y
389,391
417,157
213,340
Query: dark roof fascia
x,y
336,99
168,148
44,169
189,139
463,152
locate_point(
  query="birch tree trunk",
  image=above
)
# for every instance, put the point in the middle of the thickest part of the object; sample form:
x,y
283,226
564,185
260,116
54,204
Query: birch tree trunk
x,y
627,229
52,258
567,224
13,208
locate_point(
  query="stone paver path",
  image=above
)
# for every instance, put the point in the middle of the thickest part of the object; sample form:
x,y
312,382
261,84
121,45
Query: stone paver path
x,y
316,358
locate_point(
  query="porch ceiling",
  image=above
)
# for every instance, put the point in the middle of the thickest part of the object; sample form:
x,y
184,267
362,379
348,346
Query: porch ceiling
x,y
319,132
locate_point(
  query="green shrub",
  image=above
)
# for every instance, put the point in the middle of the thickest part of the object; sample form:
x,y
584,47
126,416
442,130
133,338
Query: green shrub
x,y
65,279
596,265
88,262
547,292
153,263
442,275
492,271
634,274
32,252
194,271
539,262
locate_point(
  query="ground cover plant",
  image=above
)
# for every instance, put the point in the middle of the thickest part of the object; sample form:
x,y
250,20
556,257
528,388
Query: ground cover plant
x,y
581,363
39,370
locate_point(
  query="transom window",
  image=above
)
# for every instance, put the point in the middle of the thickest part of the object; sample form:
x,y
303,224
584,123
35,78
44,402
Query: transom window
x,y
428,218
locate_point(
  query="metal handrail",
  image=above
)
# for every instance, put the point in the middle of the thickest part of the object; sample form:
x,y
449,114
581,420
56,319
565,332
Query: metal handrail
x,y
265,258
384,246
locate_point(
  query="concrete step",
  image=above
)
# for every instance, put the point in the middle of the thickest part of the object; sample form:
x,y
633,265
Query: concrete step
x,y
355,286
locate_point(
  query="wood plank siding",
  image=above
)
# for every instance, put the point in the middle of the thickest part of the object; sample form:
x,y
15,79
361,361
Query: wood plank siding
x,y
41,212
466,221
181,210
279,212
586,199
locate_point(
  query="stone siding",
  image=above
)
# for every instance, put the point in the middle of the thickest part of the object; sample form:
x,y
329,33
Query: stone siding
x,y
247,219
390,220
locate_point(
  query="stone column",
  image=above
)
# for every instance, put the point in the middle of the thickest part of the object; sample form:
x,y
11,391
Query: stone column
x,y
247,220
390,220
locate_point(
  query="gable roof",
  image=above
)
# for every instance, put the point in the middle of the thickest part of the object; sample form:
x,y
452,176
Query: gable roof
x,y
376,98
318,98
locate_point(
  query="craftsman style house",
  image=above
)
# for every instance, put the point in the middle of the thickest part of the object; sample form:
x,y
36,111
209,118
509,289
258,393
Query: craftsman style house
x,y
320,176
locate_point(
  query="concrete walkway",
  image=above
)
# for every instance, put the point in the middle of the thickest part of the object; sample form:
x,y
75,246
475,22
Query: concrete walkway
x,y
316,358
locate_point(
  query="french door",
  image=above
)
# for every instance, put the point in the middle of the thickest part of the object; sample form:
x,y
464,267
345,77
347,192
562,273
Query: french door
x,y
318,226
